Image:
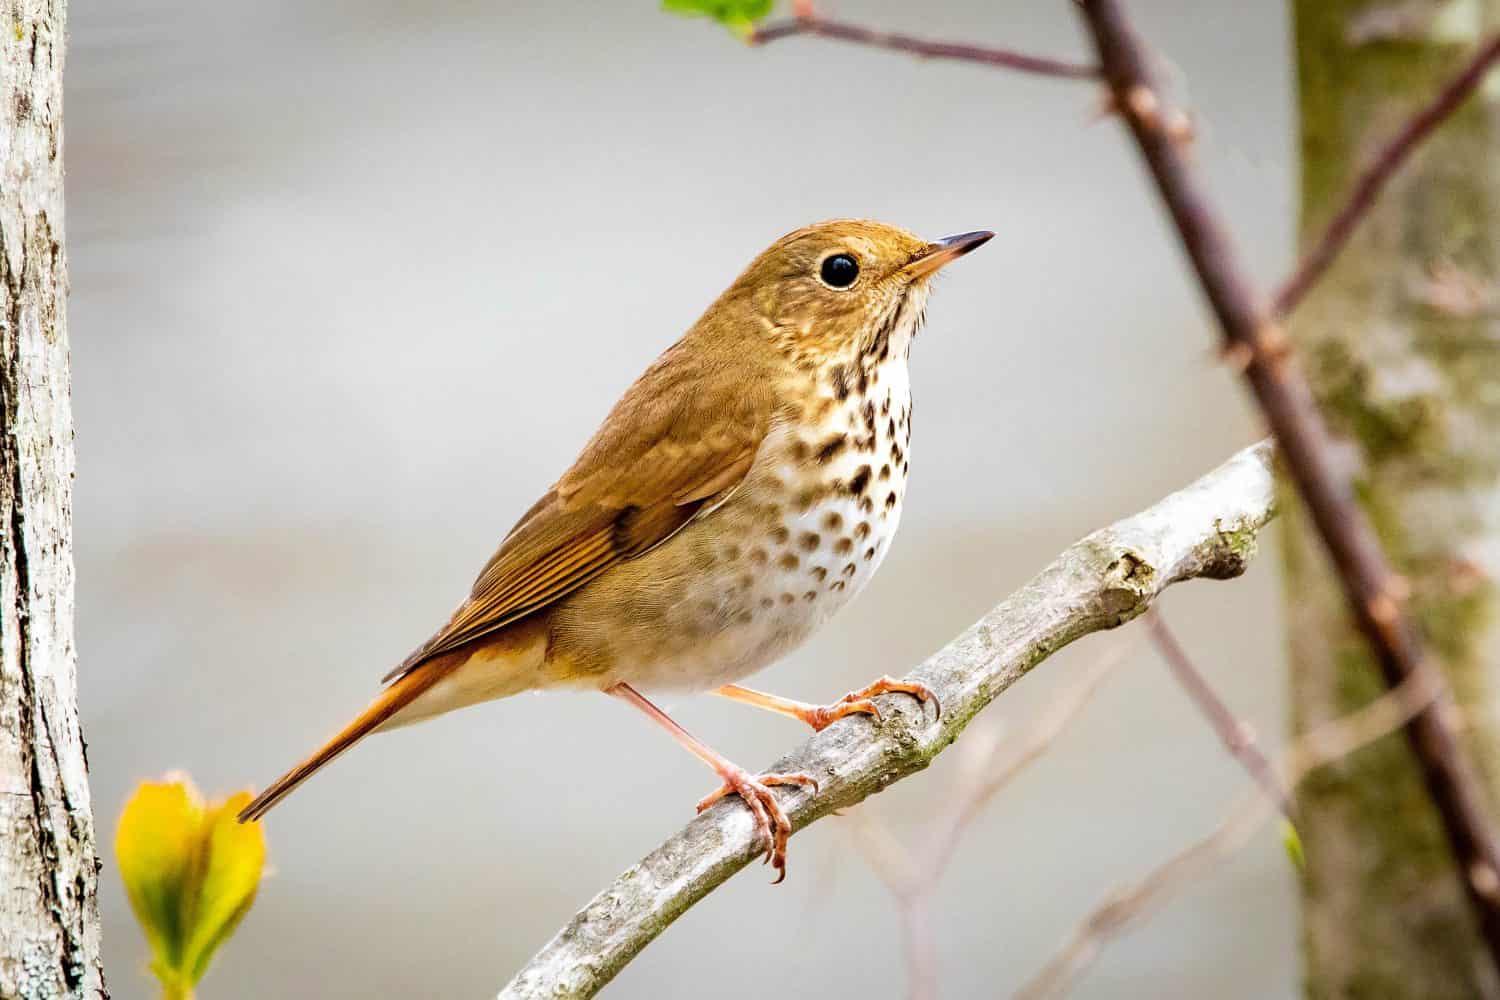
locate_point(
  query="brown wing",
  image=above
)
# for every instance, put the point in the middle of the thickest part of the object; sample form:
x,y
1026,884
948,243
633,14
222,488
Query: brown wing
x,y
672,447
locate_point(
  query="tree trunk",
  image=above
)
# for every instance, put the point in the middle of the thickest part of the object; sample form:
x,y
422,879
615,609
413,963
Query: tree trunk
x,y
49,916
1402,343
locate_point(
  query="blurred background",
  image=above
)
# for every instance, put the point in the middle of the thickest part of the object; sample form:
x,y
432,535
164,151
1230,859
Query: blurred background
x,y
353,281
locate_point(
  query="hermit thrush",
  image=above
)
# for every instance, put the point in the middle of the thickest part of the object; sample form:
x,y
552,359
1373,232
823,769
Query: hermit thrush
x,y
744,489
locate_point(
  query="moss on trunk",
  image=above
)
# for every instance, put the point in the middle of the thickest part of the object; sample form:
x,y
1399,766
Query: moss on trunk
x,y
1402,343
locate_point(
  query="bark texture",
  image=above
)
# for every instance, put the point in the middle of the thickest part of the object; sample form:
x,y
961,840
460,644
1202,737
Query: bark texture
x,y
49,919
1401,341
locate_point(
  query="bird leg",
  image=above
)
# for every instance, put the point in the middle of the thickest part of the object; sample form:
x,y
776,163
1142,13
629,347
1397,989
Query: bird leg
x,y
822,716
771,820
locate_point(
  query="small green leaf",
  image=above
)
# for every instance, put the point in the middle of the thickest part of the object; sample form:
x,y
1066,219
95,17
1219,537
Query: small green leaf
x,y
739,16
1291,841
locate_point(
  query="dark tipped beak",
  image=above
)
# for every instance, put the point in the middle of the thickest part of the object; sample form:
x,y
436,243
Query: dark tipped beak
x,y
940,252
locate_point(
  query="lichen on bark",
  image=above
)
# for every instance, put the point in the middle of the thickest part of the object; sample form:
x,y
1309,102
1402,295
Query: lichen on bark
x,y
1401,342
49,917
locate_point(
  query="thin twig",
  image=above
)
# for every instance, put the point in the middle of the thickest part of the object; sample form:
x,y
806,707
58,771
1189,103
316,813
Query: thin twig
x,y
815,24
903,873
1238,738
971,798
1374,591
1206,530
1330,742
897,867
1373,178
913,876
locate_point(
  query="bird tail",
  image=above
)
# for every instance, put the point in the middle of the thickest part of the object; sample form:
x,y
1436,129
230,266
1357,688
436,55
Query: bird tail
x,y
393,699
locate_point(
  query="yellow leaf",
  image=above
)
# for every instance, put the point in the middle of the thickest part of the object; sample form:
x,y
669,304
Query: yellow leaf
x,y
191,872
153,843
236,854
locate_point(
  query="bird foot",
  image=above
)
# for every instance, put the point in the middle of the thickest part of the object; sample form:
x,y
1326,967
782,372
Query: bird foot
x,y
859,702
771,821
821,717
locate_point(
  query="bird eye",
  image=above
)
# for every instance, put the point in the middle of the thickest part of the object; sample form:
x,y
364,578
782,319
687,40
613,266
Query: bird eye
x,y
840,270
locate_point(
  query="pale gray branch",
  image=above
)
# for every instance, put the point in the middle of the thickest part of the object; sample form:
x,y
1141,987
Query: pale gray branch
x,y
1205,530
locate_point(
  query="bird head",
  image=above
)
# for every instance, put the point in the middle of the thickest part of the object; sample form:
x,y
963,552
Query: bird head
x,y
849,286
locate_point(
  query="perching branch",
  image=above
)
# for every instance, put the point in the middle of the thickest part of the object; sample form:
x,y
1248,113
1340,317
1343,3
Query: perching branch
x,y
1330,742
1206,530
1373,179
1236,736
1374,591
810,23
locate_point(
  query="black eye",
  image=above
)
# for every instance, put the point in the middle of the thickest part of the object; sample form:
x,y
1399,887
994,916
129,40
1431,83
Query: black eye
x,y
840,270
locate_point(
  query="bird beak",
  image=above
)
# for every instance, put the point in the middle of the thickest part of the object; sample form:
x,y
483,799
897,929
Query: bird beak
x,y
934,255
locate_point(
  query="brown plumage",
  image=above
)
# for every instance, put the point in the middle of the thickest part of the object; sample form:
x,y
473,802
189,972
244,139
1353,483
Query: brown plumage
x,y
396,696
699,534
665,452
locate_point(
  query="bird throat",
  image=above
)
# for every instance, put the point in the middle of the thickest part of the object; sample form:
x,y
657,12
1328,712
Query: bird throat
x,y
841,471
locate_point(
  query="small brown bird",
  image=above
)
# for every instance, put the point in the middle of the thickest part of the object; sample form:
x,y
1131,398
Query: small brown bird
x,y
744,489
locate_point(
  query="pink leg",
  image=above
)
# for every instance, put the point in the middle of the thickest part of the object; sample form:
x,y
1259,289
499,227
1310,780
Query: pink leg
x,y
770,819
822,716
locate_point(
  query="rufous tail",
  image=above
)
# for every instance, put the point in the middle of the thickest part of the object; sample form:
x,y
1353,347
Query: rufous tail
x,y
393,699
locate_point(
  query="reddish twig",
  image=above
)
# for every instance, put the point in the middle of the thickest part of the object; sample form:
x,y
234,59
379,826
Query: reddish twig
x,y
814,24
1236,736
905,876
1328,743
1374,591
913,875
991,774
1374,177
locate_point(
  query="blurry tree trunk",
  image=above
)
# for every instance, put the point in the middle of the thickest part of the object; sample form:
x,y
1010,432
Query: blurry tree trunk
x,y
1402,342
49,916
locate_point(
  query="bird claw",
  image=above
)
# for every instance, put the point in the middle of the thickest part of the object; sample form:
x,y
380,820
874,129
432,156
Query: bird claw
x,y
859,701
825,716
771,820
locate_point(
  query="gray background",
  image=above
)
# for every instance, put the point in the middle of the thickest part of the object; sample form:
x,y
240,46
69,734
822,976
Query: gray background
x,y
352,281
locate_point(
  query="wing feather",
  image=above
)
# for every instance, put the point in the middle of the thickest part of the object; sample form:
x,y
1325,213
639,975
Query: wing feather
x,y
669,451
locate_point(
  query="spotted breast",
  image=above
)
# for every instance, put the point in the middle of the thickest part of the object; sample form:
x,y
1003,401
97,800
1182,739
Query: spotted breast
x,y
804,533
